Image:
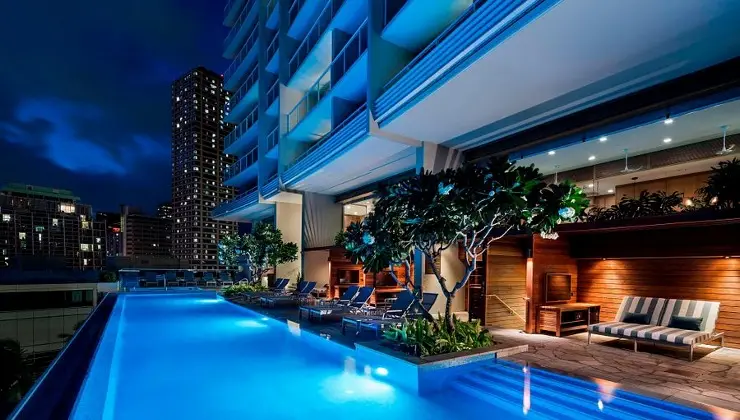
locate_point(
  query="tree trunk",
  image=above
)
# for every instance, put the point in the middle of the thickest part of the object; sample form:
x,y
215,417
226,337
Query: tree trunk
x,y
448,315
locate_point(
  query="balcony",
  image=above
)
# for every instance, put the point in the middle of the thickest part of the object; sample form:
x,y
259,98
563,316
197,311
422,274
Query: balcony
x,y
273,139
239,204
273,94
243,170
273,58
240,28
231,11
271,187
401,17
301,15
345,78
244,97
273,13
242,62
242,135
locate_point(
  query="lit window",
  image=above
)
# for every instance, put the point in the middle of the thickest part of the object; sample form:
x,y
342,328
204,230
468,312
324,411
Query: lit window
x,y
22,236
97,240
6,217
84,247
178,99
55,222
67,208
84,261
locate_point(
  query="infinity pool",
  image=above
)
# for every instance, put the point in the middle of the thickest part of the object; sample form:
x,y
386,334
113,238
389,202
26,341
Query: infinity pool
x,y
195,356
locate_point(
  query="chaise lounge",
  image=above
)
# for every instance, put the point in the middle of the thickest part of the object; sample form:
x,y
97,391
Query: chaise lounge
x,y
674,322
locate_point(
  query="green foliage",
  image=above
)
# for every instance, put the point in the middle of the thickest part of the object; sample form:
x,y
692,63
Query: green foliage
x,y
424,338
647,204
234,290
723,186
261,249
108,277
15,372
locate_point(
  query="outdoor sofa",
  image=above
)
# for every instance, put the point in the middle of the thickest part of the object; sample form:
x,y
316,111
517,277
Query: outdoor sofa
x,y
673,322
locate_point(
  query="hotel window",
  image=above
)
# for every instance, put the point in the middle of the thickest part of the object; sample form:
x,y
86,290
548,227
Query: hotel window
x,y
6,217
55,222
67,208
86,225
39,228
84,247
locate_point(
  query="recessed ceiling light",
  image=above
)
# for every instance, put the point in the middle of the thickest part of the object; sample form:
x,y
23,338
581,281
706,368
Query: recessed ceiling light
x,y
590,185
602,139
551,152
591,157
668,121
610,191
667,140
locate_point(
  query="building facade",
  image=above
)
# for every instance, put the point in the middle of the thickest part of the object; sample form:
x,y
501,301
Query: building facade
x,y
49,226
113,239
144,235
164,211
198,161
333,97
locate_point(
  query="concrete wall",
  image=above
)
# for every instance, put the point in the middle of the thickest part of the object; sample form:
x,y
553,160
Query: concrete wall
x,y
288,218
316,267
452,270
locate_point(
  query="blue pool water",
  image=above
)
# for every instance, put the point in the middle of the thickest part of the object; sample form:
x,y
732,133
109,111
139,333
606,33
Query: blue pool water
x,y
194,356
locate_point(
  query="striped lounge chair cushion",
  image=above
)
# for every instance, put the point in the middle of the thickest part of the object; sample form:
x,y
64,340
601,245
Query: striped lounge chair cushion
x,y
641,305
650,332
707,311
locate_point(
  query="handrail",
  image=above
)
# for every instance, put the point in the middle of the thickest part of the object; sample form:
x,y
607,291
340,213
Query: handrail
x,y
328,135
273,93
242,128
319,90
231,204
243,51
293,11
239,22
244,88
273,47
314,34
441,37
273,138
270,7
513,312
396,7
242,164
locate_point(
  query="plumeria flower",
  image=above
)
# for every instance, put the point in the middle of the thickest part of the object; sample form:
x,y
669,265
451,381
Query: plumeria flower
x,y
444,189
567,212
368,239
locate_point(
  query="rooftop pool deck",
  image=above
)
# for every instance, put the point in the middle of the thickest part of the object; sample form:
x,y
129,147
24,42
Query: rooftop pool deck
x,y
195,355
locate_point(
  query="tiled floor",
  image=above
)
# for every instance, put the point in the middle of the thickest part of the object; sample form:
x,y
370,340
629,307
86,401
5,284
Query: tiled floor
x,y
712,378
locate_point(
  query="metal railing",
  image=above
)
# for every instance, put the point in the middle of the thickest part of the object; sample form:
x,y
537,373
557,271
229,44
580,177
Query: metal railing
x,y
509,308
248,44
242,128
314,35
242,164
233,203
273,47
293,11
273,138
349,54
244,88
239,22
432,45
271,4
391,9
273,92
329,134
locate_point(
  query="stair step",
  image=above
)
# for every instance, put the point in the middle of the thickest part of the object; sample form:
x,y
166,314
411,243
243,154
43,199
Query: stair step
x,y
501,401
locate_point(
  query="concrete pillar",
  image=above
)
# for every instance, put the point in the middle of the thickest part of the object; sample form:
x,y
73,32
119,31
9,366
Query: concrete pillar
x,y
288,218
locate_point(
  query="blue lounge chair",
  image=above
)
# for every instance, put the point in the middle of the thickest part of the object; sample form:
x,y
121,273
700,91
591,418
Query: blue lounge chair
x,y
171,278
358,304
223,276
189,278
209,279
343,300
378,323
397,311
150,278
277,290
299,295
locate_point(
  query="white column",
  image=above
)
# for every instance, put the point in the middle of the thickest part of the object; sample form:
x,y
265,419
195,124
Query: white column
x,y
288,218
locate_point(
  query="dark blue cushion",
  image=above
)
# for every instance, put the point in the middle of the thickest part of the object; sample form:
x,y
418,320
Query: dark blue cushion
x,y
633,318
685,323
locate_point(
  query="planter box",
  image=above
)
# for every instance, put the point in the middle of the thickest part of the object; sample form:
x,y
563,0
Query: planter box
x,y
428,374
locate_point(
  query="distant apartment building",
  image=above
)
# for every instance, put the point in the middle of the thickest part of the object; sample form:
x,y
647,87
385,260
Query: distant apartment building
x,y
47,224
164,211
144,235
198,162
113,238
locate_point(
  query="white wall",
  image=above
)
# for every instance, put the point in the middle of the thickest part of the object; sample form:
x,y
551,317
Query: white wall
x,y
316,267
288,218
452,270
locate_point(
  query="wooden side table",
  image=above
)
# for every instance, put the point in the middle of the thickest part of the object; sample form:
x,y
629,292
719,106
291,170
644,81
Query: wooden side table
x,y
567,317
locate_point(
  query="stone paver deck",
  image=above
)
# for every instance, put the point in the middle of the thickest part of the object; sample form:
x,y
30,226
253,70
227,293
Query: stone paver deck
x,y
713,378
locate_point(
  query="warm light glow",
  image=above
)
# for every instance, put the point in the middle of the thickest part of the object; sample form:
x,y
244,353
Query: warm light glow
x,y
551,152
590,185
603,139
713,200
667,140
668,121
591,157
688,202
610,191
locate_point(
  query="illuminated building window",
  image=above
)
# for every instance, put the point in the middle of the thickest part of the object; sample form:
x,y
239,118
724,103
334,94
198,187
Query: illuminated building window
x,y
6,217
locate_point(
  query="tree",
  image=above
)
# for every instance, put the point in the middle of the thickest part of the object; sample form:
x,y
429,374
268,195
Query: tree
x,y
470,207
15,374
262,249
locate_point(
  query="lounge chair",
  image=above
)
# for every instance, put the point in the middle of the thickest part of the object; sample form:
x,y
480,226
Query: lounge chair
x,y
161,280
150,278
223,276
171,278
377,324
395,313
276,290
342,301
189,278
674,322
209,279
297,297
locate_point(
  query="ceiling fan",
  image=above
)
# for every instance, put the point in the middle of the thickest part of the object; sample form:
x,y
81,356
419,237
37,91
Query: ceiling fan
x,y
725,149
627,168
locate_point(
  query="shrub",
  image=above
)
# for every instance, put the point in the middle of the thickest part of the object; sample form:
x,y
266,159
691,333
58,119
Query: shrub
x,y
234,290
722,189
421,337
108,277
647,204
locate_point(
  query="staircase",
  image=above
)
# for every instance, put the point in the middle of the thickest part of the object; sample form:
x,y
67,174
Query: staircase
x,y
541,394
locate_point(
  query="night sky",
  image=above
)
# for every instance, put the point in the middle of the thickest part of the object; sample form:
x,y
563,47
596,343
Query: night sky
x,y
85,92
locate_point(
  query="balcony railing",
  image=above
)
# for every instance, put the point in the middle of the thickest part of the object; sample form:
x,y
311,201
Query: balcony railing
x,y
391,9
245,87
349,54
432,45
273,138
240,21
271,4
242,164
241,129
273,47
273,93
248,44
251,194
314,35
295,8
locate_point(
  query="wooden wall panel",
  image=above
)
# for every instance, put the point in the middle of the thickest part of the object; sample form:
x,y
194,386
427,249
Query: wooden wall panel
x,y
506,278
549,256
686,185
606,282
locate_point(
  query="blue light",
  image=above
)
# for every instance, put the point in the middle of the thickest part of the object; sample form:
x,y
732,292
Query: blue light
x,y
381,371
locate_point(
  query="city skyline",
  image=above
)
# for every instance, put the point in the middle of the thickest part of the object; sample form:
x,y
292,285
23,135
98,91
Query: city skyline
x,y
99,122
